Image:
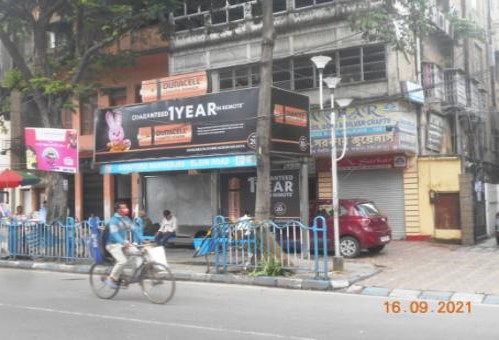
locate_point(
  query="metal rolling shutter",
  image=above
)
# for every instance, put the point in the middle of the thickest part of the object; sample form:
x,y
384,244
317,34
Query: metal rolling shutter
x,y
188,198
383,187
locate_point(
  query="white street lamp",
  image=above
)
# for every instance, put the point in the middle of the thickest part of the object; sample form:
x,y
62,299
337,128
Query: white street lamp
x,y
320,63
338,264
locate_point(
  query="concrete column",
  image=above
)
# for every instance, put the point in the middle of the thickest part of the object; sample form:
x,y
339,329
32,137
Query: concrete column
x,y
467,209
79,196
136,193
108,195
215,193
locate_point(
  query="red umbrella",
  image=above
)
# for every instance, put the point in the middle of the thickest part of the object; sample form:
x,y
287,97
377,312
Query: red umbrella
x,y
10,179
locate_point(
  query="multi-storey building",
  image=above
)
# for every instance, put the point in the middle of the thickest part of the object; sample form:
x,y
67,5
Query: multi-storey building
x,y
414,162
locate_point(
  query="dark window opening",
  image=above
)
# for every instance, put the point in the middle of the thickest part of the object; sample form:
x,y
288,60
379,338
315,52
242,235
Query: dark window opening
x,y
88,105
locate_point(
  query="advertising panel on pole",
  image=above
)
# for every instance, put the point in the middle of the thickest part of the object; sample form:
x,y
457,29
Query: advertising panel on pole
x,y
213,124
51,149
382,127
238,194
290,124
174,87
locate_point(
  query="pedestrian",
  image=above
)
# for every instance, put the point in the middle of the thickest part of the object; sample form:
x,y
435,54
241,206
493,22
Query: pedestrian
x,y
19,216
244,222
144,224
42,213
5,211
167,229
117,245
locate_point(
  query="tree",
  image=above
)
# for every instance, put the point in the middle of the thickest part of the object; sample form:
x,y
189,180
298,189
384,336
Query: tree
x,y
399,22
52,77
263,128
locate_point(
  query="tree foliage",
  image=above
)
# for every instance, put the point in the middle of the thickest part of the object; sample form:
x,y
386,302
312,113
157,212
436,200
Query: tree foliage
x,y
51,76
399,22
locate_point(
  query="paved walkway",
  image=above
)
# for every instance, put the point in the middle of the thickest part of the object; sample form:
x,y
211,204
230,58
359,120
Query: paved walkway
x,y
412,268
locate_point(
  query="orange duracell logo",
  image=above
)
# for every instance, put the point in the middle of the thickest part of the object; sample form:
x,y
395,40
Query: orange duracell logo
x,y
290,115
172,134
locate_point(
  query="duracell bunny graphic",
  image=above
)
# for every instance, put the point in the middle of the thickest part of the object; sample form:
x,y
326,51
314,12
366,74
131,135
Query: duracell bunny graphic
x,y
117,141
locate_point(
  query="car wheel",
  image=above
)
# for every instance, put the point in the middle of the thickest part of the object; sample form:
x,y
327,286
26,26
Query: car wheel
x,y
377,249
349,247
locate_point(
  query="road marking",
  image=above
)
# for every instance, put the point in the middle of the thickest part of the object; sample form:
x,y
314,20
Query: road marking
x,y
157,323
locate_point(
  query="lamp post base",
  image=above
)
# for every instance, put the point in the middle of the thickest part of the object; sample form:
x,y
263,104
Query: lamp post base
x,y
338,264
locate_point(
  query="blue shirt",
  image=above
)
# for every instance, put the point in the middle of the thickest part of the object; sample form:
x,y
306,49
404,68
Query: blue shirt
x,y
139,225
118,227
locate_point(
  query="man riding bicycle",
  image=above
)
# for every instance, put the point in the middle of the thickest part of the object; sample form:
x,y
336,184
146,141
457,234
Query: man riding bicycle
x,y
118,245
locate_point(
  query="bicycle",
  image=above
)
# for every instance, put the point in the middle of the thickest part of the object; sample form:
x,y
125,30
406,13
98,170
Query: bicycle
x,y
156,280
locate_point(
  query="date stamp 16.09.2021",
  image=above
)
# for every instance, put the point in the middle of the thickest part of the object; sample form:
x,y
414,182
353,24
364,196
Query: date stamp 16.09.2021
x,y
427,307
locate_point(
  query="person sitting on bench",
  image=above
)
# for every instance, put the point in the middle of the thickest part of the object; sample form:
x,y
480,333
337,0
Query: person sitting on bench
x,y
167,229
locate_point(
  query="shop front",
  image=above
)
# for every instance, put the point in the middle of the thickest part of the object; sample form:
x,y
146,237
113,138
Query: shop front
x,y
380,149
186,155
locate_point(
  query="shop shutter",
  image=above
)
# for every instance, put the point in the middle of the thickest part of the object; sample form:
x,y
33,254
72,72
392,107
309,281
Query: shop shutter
x,y
187,197
383,187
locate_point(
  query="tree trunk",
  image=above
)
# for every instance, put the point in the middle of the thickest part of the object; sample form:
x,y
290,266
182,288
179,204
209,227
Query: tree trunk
x,y
263,131
263,193
57,196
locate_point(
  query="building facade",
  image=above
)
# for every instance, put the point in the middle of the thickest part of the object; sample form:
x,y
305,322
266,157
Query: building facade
x,y
413,118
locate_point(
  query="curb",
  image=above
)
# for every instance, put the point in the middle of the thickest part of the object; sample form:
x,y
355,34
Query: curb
x,y
265,281
342,285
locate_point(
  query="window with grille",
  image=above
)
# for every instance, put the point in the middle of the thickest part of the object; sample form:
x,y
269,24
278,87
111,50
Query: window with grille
x,y
298,73
308,3
197,13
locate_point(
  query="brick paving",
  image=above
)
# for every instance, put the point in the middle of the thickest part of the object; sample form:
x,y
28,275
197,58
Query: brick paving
x,y
434,266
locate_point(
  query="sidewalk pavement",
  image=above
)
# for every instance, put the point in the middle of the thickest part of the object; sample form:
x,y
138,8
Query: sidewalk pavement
x,y
409,270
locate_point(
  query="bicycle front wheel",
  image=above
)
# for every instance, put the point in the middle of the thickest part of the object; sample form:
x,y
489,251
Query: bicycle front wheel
x,y
158,283
98,276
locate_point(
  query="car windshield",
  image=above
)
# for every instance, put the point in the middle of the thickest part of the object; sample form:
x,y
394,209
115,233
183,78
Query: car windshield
x,y
368,209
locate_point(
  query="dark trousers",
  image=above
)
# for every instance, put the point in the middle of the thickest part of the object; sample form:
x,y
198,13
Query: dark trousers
x,y
162,238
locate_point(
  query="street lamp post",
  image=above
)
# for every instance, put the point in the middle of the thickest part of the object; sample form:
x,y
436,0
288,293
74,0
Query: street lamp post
x,y
320,63
338,264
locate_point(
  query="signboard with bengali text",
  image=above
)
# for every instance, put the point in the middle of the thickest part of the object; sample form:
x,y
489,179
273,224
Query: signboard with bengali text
x,y
383,127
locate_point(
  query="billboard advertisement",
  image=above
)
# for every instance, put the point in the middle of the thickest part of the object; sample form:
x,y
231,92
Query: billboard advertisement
x,y
389,127
290,124
178,86
51,149
213,124
238,191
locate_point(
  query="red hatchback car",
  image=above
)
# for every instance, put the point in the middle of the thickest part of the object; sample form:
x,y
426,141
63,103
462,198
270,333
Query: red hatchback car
x,y
362,226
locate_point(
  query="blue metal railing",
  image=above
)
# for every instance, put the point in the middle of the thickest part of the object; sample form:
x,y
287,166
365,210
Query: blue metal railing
x,y
248,244
69,240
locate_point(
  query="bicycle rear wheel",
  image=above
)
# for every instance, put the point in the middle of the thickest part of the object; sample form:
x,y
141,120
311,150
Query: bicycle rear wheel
x,y
158,283
98,276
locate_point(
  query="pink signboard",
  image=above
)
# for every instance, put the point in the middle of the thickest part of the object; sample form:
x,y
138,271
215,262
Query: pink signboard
x,y
51,149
